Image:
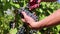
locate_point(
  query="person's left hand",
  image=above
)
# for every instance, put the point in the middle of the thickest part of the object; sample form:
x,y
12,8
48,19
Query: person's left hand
x,y
34,4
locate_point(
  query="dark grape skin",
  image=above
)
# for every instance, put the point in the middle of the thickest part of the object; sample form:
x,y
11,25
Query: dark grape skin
x,y
21,30
12,24
33,31
28,13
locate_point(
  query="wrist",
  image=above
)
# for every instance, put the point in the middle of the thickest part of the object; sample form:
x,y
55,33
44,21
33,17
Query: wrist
x,y
42,24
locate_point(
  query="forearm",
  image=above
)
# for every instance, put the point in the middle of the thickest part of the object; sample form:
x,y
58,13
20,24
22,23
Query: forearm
x,y
51,20
48,0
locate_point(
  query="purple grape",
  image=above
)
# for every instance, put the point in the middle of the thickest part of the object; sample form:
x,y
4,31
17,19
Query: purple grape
x,y
28,13
21,30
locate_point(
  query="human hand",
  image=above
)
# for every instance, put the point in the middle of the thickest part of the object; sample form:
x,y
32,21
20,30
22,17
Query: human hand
x,y
34,4
30,21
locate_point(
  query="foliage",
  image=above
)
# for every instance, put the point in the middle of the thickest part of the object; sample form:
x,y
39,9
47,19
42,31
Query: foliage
x,y
7,14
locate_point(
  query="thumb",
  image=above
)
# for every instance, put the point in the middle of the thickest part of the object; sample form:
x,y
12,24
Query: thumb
x,y
24,14
23,20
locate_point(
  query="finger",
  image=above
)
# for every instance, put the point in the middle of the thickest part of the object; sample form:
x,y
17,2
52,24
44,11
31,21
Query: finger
x,y
29,26
34,6
27,18
23,20
39,1
31,0
24,14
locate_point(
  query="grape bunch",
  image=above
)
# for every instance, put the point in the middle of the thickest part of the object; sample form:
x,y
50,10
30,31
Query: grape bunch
x,y
21,30
28,13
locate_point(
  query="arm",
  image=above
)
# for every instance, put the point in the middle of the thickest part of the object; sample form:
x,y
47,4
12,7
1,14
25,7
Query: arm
x,y
51,20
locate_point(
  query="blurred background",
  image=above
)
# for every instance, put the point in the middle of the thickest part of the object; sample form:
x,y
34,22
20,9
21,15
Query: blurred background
x,y
8,15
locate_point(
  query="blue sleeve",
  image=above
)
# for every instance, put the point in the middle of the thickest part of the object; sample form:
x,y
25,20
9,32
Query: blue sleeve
x,y
58,1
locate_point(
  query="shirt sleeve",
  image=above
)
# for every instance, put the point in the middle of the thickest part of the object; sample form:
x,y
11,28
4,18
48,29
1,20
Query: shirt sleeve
x,y
58,1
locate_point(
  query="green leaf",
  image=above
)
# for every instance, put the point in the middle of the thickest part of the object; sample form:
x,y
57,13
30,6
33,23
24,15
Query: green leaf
x,y
58,27
13,31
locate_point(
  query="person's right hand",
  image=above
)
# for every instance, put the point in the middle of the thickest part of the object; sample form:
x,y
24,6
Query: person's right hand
x,y
30,21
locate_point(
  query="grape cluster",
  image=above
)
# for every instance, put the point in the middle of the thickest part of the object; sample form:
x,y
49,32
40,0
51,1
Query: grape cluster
x,y
28,13
21,30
